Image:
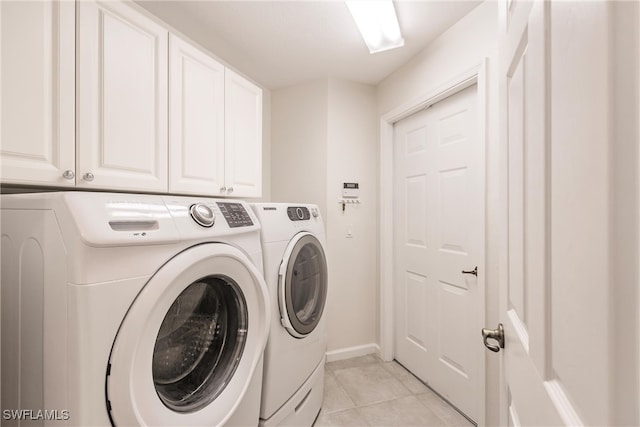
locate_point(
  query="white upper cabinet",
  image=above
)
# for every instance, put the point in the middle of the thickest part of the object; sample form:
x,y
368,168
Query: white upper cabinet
x,y
243,136
196,120
122,98
37,86
215,116
97,94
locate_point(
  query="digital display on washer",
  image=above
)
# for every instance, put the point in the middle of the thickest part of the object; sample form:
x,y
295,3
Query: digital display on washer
x,y
235,214
298,213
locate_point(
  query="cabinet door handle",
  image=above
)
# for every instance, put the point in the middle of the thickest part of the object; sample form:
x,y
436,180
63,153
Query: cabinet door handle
x,y
223,189
69,174
230,190
88,176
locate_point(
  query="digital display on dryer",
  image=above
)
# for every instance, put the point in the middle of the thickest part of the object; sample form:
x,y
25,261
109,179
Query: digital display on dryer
x,y
235,214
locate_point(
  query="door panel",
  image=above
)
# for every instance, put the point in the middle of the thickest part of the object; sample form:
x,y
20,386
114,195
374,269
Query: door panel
x,y
122,98
243,136
438,234
196,114
37,140
517,285
417,213
418,296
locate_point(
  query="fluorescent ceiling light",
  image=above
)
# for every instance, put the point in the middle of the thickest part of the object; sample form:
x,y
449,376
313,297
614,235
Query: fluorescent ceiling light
x,y
377,22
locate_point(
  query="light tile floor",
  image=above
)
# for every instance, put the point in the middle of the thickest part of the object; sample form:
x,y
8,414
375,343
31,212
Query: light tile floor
x,y
365,391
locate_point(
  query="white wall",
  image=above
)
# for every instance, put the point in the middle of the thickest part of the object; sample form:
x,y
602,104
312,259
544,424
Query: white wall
x,y
299,144
461,48
594,207
352,156
266,145
455,51
324,133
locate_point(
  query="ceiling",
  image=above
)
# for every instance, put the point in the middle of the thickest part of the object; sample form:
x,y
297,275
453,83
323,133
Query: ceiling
x,y
282,43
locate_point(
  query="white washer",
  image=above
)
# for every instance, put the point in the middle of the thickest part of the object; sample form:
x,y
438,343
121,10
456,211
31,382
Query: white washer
x,y
295,270
122,309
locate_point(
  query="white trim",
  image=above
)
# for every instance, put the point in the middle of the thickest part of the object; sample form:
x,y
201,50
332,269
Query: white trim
x,y
475,75
515,419
638,229
563,405
386,260
519,328
349,352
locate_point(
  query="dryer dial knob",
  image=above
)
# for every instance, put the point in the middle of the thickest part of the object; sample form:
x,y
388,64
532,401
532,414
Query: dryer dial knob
x,y
202,214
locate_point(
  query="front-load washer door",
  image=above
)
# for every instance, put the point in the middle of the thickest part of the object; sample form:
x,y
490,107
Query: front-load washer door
x,y
187,349
302,285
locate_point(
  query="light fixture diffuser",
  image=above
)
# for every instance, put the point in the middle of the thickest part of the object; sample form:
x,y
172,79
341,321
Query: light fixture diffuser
x,y
377,22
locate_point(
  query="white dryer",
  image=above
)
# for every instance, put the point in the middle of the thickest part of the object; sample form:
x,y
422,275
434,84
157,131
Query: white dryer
x,y
295,268
124,310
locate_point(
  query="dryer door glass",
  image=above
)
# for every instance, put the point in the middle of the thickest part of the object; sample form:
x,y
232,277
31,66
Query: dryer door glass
x,y
306,285
199,344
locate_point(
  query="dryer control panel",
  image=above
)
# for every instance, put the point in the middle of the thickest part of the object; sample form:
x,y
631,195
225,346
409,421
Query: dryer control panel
x,y
235,214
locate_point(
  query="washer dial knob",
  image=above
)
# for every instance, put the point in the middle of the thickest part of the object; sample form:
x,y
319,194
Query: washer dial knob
x,y
202,214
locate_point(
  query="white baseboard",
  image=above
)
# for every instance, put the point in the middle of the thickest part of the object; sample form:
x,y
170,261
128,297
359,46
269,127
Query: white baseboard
x,y
349,352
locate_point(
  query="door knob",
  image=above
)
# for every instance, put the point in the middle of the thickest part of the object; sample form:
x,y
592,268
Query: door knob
x,y
494,334
88,176
69,174
223,190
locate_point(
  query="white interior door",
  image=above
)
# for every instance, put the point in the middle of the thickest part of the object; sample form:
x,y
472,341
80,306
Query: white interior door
x,y
439,232
555,274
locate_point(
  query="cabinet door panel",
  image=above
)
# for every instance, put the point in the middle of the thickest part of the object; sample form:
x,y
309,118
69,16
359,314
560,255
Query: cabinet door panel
x,y
196,115
37,87
122,94
243,136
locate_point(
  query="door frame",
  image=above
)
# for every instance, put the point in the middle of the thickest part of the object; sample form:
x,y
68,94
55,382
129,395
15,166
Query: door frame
x,y
476,74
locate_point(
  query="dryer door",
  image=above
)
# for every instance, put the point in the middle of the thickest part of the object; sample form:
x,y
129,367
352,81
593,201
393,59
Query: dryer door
x,y
303,285
190,343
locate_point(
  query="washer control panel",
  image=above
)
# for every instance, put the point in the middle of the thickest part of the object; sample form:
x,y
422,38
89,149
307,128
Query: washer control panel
x,y
298,213
235,214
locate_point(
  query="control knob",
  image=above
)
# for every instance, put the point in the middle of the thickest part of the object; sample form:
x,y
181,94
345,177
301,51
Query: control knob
x,y
202,214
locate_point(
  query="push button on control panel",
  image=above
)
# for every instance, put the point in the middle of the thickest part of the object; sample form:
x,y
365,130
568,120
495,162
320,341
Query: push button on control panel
x,y
235,214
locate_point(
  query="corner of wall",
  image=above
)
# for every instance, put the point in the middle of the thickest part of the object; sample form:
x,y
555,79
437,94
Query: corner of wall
x,y
266,145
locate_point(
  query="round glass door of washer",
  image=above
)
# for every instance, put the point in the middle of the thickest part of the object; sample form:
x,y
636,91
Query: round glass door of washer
x,y
190,343
200,343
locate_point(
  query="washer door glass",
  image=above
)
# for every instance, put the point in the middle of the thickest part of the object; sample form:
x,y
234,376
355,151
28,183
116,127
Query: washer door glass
x,y
199,344
306,285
